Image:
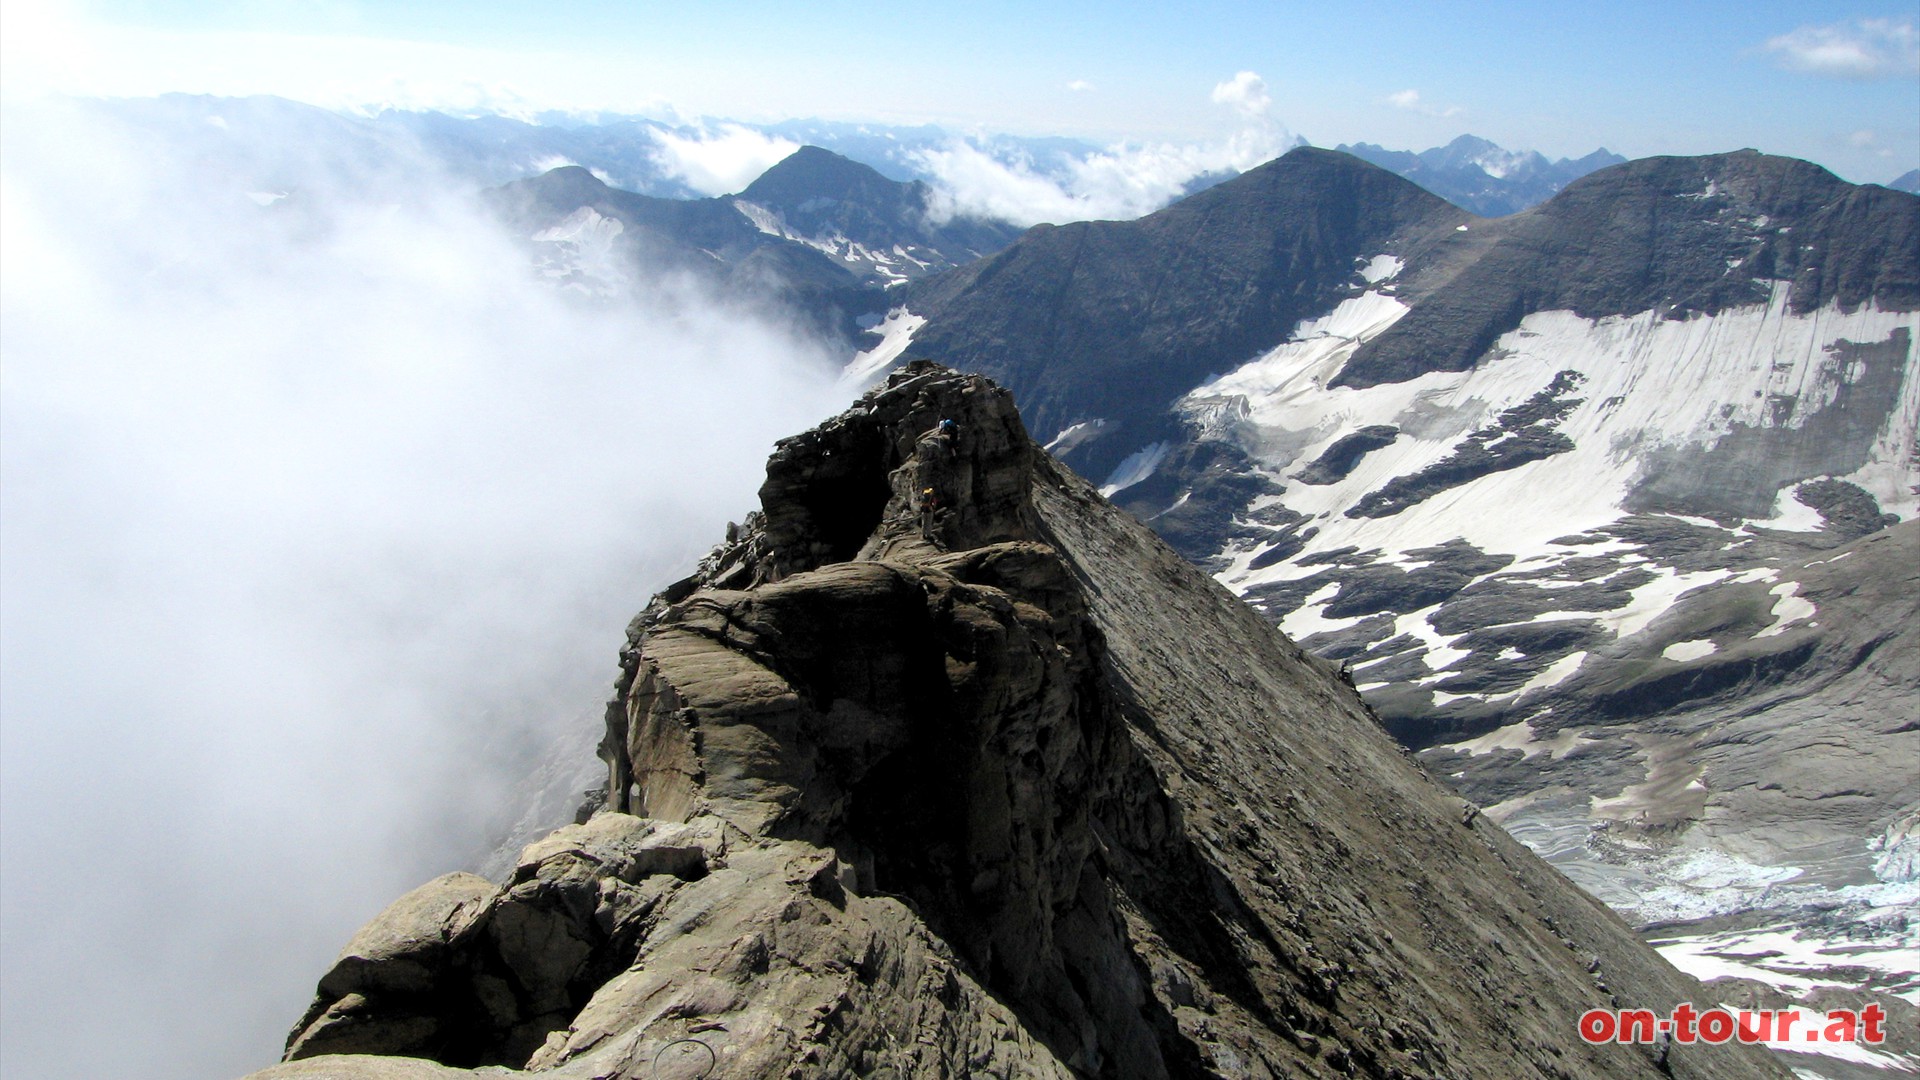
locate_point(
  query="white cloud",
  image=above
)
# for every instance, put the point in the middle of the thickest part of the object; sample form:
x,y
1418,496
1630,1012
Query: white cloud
x,y
315,516
1862,138
722,159
1079,86
1246,92
1410,100
1863,49
1123,181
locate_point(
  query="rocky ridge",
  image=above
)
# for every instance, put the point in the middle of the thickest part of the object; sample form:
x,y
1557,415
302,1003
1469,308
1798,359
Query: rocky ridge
x,y
940,767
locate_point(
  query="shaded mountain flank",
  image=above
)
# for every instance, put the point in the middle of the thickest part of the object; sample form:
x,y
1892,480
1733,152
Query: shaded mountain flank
x,y
941,767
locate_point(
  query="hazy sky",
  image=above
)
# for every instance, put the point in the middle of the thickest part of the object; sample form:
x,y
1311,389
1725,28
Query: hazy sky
x,y
1836,83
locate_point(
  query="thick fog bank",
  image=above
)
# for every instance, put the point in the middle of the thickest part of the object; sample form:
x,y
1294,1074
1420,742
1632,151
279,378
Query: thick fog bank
x,y
318,513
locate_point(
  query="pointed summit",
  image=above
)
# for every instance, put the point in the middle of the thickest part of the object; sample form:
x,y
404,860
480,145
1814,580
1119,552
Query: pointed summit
x,y
888,229
813,173
1139,312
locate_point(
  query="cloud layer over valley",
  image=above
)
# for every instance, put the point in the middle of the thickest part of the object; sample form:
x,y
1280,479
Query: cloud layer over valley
x,y
321,515
1126,180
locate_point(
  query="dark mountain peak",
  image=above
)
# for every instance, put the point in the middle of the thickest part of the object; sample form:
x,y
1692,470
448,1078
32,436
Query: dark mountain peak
x,y
813,173
1908,182
1468,151
569,182
943,767
573,174
1303,180
862,219
537,201
1142,311
1472,144
1396,160
1303,156
1599,159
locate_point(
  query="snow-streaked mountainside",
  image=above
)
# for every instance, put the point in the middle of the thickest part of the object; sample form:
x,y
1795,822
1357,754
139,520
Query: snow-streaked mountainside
x,y
887,231
1112,321
1473,173
1592,500
817,235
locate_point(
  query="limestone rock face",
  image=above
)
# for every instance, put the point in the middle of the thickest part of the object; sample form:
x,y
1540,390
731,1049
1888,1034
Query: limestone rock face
x,y
941,767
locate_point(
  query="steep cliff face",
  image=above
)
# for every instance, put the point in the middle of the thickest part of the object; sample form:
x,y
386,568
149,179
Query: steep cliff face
x,y
939,767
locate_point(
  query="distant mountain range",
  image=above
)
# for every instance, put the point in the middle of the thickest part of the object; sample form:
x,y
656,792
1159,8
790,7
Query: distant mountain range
x,y
255,138
270,142
1476,175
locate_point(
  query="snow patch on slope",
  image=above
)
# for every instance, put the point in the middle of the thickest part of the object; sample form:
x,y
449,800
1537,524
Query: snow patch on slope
x,y
1797,954
1134,468
579,253
890,265
1382,268
1073,435
1283,385
1681,652
896,333
1787,610
1521,737
764,219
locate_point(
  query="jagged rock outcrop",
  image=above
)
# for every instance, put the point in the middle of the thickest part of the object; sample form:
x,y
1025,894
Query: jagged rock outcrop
x,y
940,767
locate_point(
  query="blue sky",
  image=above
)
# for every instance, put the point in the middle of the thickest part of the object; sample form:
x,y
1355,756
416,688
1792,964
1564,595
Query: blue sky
x,y
1833,82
